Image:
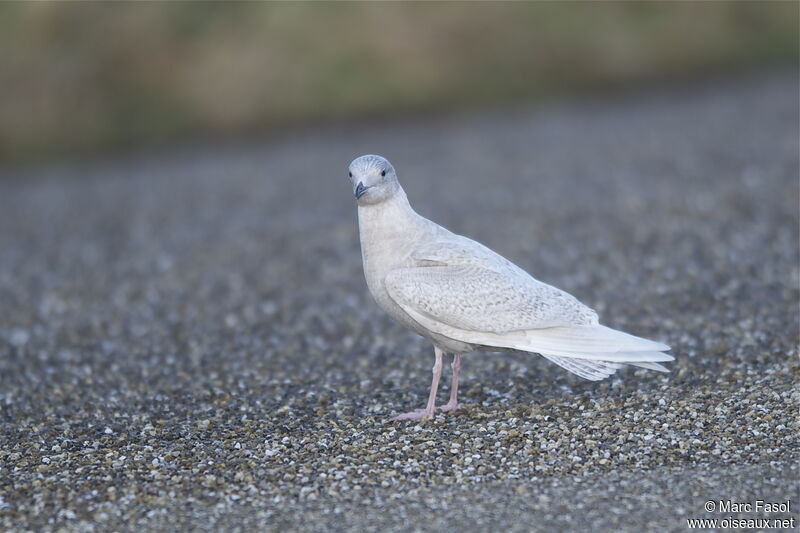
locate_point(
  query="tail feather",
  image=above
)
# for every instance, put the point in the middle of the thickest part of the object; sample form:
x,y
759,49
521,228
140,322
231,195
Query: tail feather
x,y
592,351
589,339
651,366
595,370
592,370
595,342
597,352
618,357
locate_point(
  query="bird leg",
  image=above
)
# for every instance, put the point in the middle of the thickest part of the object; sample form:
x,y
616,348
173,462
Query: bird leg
x,y
428,411
453,403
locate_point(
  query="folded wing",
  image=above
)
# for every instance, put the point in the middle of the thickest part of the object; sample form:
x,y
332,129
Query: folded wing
x,y
481,298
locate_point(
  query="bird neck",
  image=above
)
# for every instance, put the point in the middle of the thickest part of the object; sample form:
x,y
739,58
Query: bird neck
x,y
392,217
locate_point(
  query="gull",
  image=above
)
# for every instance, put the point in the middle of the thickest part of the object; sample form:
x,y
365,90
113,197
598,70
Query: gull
x,y
462,296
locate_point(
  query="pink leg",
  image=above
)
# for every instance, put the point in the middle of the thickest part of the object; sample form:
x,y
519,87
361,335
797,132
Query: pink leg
x,y
428,411
453,403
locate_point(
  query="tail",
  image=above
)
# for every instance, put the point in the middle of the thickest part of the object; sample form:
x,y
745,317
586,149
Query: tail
x,y
592,351
597,370
596,352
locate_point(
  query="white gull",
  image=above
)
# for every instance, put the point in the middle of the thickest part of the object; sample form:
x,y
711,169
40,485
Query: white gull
x,y
463,296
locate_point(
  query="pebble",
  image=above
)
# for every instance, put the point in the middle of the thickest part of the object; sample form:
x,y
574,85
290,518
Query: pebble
x,y
186,340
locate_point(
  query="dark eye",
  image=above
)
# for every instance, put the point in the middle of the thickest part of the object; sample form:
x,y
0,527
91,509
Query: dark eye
x,y
383,172
350,174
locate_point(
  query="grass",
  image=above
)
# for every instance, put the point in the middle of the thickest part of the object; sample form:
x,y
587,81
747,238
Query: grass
x,y
80,78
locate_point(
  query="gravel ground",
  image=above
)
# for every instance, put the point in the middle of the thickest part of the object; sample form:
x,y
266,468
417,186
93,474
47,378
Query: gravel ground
x,y
187,341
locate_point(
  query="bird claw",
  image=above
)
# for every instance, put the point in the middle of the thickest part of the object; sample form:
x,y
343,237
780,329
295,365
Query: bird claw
x,y
447,407
417,414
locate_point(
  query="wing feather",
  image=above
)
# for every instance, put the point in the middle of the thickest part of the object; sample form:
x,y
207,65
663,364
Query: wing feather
x,y
462,290
478,299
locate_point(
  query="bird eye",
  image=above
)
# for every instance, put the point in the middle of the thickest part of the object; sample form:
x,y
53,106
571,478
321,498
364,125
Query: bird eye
x,y
350,174
383,172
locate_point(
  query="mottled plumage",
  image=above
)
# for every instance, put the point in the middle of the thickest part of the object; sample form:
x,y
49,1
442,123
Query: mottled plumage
x,y
463,296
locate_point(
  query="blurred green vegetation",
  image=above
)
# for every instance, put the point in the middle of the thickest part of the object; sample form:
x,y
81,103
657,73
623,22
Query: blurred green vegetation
x,y
79,78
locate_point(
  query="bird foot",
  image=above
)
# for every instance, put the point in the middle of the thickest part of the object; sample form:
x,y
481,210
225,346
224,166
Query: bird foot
x,y
419,414
449,406
413,415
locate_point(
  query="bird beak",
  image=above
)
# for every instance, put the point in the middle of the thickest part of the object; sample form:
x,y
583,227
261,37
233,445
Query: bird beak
x,y
360,190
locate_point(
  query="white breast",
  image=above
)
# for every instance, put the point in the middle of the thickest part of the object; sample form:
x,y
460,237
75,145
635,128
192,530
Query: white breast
x,y
389,233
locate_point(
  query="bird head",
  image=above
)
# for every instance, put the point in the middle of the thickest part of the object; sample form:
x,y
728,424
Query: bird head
x,y
373,179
